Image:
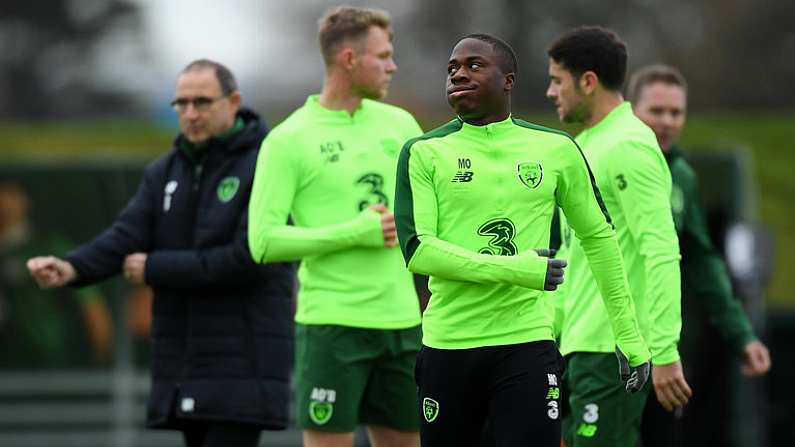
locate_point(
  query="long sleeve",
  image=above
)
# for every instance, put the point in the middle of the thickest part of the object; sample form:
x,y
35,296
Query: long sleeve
x,y
276,182
416,215
704,273
228,264
131,232
643,186
580,200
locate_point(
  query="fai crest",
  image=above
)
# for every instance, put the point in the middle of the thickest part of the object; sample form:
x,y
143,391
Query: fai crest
x,y
530,173
227,188
430,409
320,412
391,147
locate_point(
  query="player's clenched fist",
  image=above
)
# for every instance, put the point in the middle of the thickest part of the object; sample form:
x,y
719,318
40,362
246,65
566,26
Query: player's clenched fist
x,y
670,385
135,268
555,268
387,225
50,272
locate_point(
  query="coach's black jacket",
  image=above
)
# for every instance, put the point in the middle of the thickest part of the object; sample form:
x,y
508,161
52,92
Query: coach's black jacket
x,y
221,329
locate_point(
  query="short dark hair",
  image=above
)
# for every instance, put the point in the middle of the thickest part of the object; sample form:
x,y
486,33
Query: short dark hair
x,y
348,22
651,74
592,48
506,57
225,77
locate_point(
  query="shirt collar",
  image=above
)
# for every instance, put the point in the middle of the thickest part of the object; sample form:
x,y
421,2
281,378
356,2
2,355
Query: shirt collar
x,y
487,129
337,116
618,113
622,110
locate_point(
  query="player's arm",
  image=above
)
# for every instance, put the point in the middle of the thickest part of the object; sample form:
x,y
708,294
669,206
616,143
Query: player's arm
x,y
579,198
643,189
131,232
704,273
276,181
416,216
228,264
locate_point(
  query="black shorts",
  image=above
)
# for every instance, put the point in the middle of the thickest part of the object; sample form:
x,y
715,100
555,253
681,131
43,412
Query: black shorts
x,y
514,389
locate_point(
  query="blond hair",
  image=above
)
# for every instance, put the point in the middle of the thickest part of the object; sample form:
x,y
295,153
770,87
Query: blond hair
x,y
348,23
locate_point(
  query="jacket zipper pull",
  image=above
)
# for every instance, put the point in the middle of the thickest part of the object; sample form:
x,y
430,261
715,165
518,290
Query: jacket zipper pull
x,y
197,174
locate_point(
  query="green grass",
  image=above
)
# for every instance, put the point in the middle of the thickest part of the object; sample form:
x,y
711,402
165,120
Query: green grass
x,y
768,136
83,140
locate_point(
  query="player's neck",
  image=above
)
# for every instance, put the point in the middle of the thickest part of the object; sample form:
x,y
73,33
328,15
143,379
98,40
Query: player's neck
x,y
499,112
487,119
338,94
603,104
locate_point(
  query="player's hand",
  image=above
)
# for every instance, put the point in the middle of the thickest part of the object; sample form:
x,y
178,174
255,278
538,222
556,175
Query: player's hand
x,y
670,385
756,359
387,225
634,377
554,269
50,272
134,268
546,252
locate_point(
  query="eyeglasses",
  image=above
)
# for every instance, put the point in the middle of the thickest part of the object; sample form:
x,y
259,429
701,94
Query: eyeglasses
x,y
201,103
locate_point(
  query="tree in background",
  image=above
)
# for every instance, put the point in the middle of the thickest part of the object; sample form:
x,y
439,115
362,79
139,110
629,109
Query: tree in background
x,y
66,58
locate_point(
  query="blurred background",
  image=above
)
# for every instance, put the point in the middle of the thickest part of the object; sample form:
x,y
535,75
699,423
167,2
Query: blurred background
x,y
85,87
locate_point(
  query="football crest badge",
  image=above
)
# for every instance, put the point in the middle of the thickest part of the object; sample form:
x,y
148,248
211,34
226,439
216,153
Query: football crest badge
x,y
530,173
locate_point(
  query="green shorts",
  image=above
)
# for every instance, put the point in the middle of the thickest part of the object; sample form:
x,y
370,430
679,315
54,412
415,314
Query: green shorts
x,y
599,412
346,376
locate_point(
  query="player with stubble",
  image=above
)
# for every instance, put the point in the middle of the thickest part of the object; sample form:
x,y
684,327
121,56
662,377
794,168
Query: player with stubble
x,y
474,201
587,67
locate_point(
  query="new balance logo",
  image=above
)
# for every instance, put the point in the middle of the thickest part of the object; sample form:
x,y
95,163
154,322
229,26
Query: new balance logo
x,y
463,176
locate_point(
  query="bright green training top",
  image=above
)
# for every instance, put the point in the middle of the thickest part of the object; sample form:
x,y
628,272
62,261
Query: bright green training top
x,y
324,168
635,183
472,204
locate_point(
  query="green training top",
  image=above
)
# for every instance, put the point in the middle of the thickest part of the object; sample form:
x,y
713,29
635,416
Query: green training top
x,y
703,271
636,187
324,168
472,204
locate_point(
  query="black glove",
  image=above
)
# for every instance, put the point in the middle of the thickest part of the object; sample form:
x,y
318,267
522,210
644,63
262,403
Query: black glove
x,y
554,269
635,377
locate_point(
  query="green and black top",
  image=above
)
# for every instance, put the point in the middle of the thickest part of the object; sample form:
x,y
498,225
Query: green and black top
x,y
472,204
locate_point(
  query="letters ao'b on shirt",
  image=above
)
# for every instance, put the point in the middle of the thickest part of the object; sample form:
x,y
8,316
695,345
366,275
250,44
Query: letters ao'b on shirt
x,y
323,168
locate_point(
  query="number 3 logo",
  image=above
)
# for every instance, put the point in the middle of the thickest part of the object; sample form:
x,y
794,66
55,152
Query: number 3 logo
x,y
591,414
502,232
621,182
375,183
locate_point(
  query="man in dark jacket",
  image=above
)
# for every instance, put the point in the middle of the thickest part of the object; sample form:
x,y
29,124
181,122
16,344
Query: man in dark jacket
x,y
221,329
659,98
